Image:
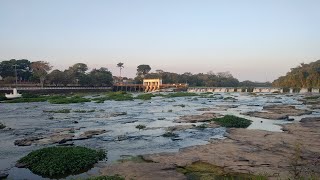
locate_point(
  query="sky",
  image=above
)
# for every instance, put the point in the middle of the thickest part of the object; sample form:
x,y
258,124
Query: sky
x,y
254,40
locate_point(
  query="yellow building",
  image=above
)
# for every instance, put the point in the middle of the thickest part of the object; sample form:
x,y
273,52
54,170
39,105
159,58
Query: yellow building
x,y
152,84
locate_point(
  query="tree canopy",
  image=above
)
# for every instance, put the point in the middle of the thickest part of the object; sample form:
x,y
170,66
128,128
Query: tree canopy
x,y
302,76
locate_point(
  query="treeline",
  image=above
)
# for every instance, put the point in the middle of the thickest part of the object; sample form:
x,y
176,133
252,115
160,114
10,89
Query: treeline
x,y
210,79
302,76
40,72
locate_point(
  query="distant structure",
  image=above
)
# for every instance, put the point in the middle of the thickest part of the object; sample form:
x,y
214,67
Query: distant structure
x,y
152,84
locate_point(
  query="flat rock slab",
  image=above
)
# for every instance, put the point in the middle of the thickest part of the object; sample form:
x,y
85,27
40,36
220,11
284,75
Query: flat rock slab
x,y
278,112
205,117
144,171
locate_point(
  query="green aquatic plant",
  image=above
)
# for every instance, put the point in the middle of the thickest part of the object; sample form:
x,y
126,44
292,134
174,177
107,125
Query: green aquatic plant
x,y
231,121
68,100
84,111
145,96
61,161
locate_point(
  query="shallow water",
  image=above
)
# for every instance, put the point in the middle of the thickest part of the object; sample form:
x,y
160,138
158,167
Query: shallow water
x,y
28,119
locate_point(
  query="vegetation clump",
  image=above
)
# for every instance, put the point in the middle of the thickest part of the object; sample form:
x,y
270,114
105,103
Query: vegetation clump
x,y
115,177
231,121
61,161
202,126
115,96
2,97
140,126
68,100
145,96
57,111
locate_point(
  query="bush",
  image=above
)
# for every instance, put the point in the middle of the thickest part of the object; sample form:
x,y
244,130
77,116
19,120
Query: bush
x,y
2,97
61,161
231,121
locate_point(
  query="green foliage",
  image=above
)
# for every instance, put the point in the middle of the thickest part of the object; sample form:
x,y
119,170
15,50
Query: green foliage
x,y
145,96
181,94
140,126
2,97
169,134
26,100
303,76
2,126
116,177
61,161
231,121
68,100
29,95
312,97
57,111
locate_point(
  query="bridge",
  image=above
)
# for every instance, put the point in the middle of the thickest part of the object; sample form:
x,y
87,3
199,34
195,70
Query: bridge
x,y
253,90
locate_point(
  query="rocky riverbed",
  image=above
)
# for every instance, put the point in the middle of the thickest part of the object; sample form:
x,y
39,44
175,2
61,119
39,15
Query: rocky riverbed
x,y
112,126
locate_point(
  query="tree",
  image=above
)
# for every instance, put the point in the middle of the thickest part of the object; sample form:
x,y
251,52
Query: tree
x,y
100,77
7,69
143,69
77,71
120,66
40,70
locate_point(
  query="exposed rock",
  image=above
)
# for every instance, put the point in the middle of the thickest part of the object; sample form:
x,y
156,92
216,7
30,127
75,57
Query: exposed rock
x,y
278,112
256,151
197,118
26,141
118,114
144,171
218,108
91,133
179,127
3,175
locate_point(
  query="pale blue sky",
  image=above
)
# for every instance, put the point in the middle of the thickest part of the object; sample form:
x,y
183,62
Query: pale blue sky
x,y
253,39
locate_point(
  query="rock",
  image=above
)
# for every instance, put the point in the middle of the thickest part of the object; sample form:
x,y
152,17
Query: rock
x,y
197,118
144,171
118,114
161,118
91,133
20,165
26,141
3,175
75,122
179,127
278,112
122,138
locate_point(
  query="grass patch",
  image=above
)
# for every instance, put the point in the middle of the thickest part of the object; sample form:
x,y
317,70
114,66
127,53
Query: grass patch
x,y
115,177
181,94
231,121
312,97
140,126
2,126
61,161
58,111
145,96
135,159
26,100
114,96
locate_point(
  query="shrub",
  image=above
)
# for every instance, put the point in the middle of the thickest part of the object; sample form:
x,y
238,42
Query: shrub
x,y
61,161
231,121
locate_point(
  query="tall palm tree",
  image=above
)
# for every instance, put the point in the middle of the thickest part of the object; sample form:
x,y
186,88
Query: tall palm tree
x,y
120,65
